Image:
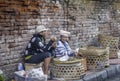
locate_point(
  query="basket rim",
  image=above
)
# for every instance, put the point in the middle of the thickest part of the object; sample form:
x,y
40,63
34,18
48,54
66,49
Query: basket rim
x,y
56,61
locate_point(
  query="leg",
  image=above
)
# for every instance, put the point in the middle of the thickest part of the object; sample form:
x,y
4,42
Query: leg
x,y
46,57
46,65
43,68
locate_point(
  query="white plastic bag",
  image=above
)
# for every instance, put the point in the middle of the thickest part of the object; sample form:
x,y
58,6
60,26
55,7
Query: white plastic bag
x,y
21,73
36,73
64,58
118,54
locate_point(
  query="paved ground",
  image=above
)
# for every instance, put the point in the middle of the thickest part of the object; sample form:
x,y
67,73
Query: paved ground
x,y
114,78
108,74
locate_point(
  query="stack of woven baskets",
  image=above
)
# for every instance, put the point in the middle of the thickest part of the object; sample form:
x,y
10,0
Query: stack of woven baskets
x,y
110,41
97,57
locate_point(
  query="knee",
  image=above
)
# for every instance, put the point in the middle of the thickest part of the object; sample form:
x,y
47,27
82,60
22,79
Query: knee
x,y
48,54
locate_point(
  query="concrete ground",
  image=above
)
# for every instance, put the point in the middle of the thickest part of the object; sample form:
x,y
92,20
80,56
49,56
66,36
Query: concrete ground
x,y
115,78
111,73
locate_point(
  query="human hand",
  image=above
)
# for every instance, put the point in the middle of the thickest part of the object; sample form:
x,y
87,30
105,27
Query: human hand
x,y
76,54
53,38
54,44
76,51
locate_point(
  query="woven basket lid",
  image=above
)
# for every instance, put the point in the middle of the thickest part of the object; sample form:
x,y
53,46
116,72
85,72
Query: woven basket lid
x,y
93,51
70,61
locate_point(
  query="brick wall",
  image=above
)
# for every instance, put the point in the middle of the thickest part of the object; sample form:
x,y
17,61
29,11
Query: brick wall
x,y
84,19
18,20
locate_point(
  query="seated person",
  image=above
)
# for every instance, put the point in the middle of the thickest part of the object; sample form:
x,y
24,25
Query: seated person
x,y
63,50
37,50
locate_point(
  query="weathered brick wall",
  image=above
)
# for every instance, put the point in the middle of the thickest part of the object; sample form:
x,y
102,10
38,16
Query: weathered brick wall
x,y
18,20
84,19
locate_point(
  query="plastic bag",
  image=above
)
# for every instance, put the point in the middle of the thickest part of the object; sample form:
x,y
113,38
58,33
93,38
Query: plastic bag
x,y
36,73
118,54
64,58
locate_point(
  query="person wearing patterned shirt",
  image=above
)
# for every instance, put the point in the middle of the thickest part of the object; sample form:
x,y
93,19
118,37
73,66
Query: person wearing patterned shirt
x,y
38,51
63,50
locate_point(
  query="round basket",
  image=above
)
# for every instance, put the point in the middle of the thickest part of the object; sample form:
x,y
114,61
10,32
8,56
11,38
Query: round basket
x,y
68,69
91,50
112,42
97,57
109,41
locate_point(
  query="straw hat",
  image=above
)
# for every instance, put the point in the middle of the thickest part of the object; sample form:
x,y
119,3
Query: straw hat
x,y
64,33
40,28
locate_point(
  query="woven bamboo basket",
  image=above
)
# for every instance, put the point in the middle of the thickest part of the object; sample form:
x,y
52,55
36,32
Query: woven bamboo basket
x,y
29,66
68,70
97,60
112,42
114,53
108,41
91,50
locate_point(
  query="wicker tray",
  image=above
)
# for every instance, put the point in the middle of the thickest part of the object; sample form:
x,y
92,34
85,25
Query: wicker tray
x,y
91,50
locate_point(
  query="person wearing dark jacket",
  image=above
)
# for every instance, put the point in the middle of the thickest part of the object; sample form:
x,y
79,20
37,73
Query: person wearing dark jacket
x,y
38,51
